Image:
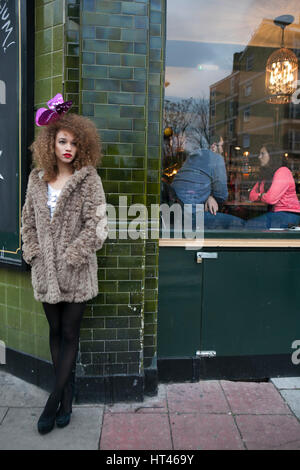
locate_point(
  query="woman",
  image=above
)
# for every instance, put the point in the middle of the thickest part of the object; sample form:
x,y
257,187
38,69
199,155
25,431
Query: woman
x,y
63,225
276,187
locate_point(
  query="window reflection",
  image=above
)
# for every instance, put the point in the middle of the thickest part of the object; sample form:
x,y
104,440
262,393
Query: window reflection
x,y
226,144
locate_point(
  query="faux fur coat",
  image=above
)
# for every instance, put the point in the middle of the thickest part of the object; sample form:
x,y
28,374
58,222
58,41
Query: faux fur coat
x,y
62,250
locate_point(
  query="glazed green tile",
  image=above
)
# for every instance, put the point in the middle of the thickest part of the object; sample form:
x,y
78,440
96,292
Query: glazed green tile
x,y
140,74
118,249
131,60
27,343
135,35
117,298
95,19
120,123
120,98
94,97
13,339
43,66
118,274
107,111
58,13
131,162
126,333
43,90
155,54
139,125
105,334
43,42
131,261
108,261
87,84
88,58
108,286
140,48
57,63
155,17
95,45
94,71
26,300
13,317
108,6
121,72
120,47
110,136
136,274
121,21
119,149
138,150
73,49
57,38
72,62
131,8
44,17
138,175
134,137
108,59
13,296
71,87
129,286
139,99
155,30
107,85
105,310
132,111
118,175
137,86
141,22
108,33
73,74
72,36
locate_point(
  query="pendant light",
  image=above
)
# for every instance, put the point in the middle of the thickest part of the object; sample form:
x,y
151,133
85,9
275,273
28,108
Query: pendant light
x,y
281,69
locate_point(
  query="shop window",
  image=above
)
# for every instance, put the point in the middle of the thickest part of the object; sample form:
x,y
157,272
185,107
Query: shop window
x,y
219,123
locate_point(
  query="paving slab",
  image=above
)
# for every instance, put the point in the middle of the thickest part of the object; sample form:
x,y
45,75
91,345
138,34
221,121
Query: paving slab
x,y
286,382
200,397
269,432
156,404
254,398
18,430
133,431
292,397
205,432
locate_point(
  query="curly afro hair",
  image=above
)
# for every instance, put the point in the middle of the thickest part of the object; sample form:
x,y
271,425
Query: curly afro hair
x,y
87,141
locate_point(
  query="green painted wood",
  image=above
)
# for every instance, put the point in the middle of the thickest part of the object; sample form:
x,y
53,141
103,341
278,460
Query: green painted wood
x,y
251,303
179,303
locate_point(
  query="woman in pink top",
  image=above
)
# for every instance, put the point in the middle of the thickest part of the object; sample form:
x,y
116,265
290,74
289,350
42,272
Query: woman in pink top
x,y
275,187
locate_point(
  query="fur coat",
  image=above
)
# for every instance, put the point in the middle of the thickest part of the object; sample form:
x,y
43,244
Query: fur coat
x,y
62,250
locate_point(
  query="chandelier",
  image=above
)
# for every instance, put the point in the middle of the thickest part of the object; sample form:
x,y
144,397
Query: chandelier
x,y
281,69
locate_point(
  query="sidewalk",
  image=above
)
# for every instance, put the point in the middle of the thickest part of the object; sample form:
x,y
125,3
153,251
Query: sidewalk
x,y
188,416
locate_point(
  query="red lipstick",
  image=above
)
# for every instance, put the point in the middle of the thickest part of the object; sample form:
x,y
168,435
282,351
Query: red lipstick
x,y
67,155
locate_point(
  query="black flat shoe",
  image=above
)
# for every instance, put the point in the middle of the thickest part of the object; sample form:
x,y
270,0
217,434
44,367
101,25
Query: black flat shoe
x,y
45,424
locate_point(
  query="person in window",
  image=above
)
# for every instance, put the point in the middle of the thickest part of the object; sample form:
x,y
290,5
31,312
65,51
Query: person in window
x,y
275,187
64,223
203,180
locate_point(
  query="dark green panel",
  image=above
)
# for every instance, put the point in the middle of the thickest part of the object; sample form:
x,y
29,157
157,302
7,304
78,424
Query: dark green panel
x,y
251,303
179,304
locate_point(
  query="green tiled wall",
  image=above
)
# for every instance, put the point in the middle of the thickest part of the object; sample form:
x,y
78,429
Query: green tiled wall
x,y
106,56
121,90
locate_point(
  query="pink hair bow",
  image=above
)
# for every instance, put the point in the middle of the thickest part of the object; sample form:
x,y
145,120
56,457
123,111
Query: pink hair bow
x,y
57,107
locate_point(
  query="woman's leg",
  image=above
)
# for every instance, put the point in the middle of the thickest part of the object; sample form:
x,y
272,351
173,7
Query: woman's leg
x,y
69,327
53,314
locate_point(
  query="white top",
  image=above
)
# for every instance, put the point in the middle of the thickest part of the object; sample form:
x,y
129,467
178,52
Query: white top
x,y
52,198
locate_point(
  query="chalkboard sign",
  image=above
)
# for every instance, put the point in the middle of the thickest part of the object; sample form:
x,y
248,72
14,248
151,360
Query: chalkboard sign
x,y
16,33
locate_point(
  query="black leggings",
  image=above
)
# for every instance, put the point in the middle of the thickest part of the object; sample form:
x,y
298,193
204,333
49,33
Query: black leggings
x,y
64,322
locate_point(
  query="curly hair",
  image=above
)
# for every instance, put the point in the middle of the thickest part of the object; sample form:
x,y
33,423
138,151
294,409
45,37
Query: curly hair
x,y
87,141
